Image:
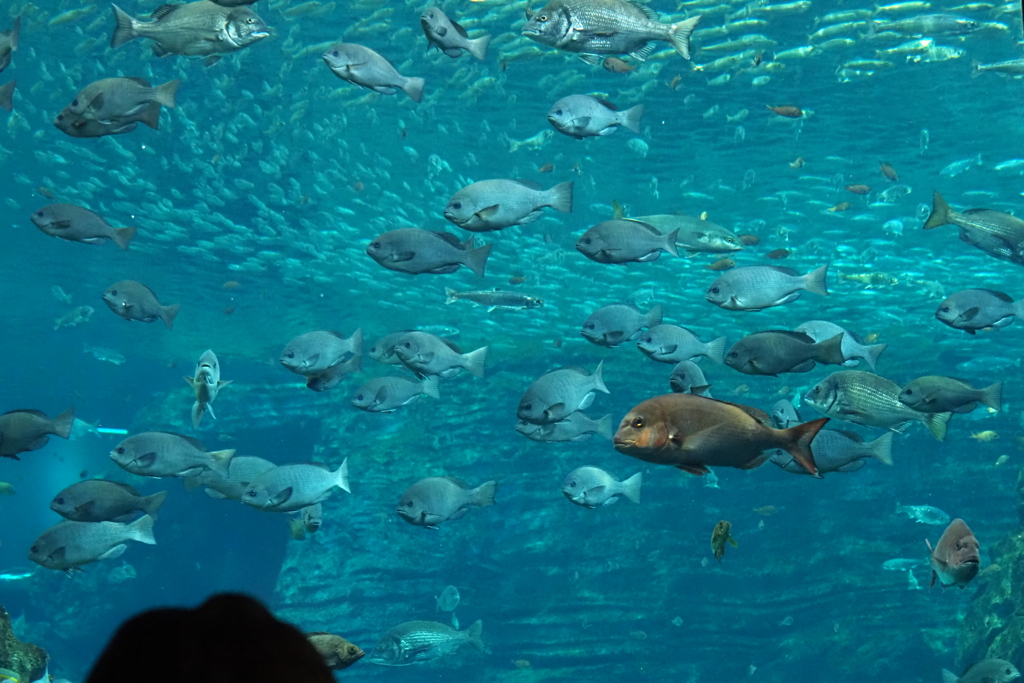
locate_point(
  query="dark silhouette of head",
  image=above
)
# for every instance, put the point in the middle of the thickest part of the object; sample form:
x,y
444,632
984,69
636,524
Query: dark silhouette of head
x,y
227,639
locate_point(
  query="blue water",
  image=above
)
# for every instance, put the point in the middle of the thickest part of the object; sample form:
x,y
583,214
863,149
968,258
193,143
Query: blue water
x,y
275,174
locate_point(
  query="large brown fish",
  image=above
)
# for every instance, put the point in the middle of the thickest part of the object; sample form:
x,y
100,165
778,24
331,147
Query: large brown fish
x,y
29,430
955,559
693,432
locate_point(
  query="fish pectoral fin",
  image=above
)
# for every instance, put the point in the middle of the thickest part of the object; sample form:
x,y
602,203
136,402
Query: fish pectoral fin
x,y
114,552
459,514
701,440
698,470
57,556
280,499
487,212
191,381
732,542
548,412
400,256
611,501
970,314
441,31
62,224
210,61
452,52
381,397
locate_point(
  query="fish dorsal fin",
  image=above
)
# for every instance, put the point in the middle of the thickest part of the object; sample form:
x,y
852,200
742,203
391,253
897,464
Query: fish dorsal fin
x,y
756,413
125,487
617,211
651,14
1002,296
29,411
458,482
196,443
646,226
799,336
140,81
458,27
853,436
162,11
605,103
529,184
339,335
451,345
784,269
448,237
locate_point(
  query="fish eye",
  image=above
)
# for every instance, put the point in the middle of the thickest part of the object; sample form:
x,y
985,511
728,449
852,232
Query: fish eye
x,y
408,504
359,397
250,20
588,326
587,240
120,449
528,406
558,112
351,649
251,493
407,345
715,290
637,423
60,500
335,53
457,205
35,549
290,354
375,245
816,389
733,354
909,392
944,309
542,17
572,484
113,292
74,102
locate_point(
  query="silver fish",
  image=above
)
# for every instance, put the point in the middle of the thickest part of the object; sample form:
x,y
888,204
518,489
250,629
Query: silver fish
x,y
423,641
985,671
164,454
617,323
388,394
435,500
672,344
592,487
448,600
362,66
774,352
29,430
934,394
556,394
242,469
854,350
576,427
416,251
625,241
313,352
77,224
207,384
494,299
292,487
426,354
688,378
99,500
693,234
69,545
495,204
753,288
583,116
135,301
971,310
449,37
119,99
955,559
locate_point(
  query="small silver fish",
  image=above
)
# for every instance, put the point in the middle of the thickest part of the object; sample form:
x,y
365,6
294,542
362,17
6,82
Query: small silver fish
x,y
206,383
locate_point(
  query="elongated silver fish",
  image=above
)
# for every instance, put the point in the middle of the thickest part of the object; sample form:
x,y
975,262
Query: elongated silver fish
x,y
495,298
422,641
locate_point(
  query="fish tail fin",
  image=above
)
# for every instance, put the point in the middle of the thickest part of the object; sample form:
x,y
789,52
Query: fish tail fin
x,y
670,242
7,95
831,350
341,477
198,410
62,424
450,295
631,487
125,29
123,236
940,212
1018,308
975,68
164,94
478,46
473,634
142,530
599,379
679,35
604,427
152,503
474,361
483,495
715,350
993,396
168,313
430,386
561,197
631,118
949,677
476,259
15,31
797,440
872,354
653,316
937,423
413,87
221,460
151,117
357,342
881,449
816,281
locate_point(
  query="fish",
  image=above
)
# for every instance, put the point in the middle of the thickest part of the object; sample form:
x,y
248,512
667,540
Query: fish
x,y
858,189
337,652
288,488
423,641
625,241
206,383
721,264
923,514
388,394
985,436
839,451
788,111
104,354
74,223
696,235
494,299
496,204
242,469
777,351
617,66
17,574
971,310
426,354
841,206
9,43
556,394
778,254
202,28
416,251
985,671
1002,229
314,352
27,430
854,348
99,500
606,27
576,427
928,25
955,560
68,545
135,301
7,95
82,128
112,100
449,37
592,487
583,116
688,378
936,394
673,344
60,295
871,400
615,324
435,500
383,351
721,535
1013,67
754,288
888,171
366,68
693,433
332,376
448,600
165,454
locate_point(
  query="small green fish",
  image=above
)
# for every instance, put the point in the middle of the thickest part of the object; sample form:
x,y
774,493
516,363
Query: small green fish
x,y
719,537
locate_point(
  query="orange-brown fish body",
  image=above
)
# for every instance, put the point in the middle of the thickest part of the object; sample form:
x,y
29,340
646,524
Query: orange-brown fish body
x,y
955,559
858,189
778,253
888,171
617,66
790,112
721,264
841,206
693,432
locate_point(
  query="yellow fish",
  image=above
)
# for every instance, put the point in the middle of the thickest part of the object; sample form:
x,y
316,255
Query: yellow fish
x,y
987,435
